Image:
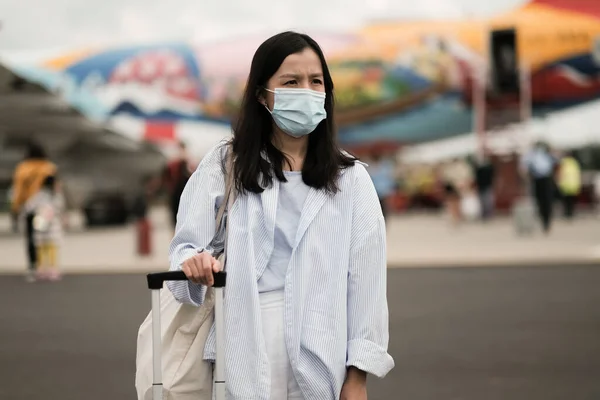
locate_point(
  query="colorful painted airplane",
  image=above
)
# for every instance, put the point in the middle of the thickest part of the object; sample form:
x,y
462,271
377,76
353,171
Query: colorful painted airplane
x,y
395,82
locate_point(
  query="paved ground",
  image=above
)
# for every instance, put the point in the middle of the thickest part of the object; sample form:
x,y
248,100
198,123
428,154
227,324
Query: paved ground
x,y
422,241
463,333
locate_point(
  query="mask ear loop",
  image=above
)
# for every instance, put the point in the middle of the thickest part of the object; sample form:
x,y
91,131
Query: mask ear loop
x,y
265,103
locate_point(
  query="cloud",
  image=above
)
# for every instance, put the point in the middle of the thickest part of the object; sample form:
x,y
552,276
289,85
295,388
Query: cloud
x,y
38,24
134,25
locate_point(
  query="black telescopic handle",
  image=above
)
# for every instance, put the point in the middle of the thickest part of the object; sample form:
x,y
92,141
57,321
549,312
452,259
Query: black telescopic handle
x,y
157,279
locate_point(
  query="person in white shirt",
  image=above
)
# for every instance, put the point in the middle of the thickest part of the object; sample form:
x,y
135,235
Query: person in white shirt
x,y
306,314
47,207
539,166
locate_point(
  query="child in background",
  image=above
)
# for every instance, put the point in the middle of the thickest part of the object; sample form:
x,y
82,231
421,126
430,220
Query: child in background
x,y
48,207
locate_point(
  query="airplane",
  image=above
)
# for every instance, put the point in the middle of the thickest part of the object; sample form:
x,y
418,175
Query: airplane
x,y
396,83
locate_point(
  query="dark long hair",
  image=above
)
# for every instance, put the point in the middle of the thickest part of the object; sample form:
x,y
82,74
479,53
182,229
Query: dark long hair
x,y
49,182
35,151
253,129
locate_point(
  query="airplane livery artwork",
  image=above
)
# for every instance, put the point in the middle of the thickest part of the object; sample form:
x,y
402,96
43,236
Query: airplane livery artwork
x,y
405,82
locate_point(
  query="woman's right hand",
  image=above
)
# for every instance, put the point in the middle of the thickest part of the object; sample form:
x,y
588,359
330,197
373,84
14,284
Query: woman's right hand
x,y
200,268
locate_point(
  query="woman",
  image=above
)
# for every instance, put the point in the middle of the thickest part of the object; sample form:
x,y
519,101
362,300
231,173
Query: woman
x,y
28,179
305,306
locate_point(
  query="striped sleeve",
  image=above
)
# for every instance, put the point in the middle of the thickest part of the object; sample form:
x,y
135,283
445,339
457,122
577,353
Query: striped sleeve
x,y
195,226
367,308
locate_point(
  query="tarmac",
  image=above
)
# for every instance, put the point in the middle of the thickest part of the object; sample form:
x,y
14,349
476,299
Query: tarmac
x,y
510,320
414,241
494,333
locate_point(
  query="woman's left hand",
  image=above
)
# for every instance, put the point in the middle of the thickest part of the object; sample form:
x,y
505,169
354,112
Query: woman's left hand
x,y
355,386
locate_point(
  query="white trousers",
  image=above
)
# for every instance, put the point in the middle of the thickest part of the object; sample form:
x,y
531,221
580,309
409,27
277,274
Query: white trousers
x,y
283,382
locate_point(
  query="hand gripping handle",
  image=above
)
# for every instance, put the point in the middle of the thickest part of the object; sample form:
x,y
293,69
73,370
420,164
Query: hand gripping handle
x,y
156,280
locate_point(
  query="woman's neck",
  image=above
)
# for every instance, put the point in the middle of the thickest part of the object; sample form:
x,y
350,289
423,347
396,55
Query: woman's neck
x,y
294,148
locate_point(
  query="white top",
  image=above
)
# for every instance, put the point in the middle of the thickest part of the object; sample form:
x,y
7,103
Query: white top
x,y
289,208
336,311
48,209
539,163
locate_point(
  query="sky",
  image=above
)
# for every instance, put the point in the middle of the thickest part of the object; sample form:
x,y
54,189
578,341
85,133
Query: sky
x,y
55,24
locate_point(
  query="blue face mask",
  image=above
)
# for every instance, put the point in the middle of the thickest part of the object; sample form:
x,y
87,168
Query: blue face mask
x,y
297,112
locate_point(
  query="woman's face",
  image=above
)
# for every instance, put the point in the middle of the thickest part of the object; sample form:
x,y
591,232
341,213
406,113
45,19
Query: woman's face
x,y
298,71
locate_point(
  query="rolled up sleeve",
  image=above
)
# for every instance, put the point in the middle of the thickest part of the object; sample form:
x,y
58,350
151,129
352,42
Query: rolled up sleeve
x,y
367,308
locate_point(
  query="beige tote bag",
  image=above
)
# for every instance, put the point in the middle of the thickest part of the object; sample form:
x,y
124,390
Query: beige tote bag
x,y
184,330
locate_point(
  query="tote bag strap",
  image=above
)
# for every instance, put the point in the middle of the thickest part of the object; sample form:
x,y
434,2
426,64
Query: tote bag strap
x,y
228,200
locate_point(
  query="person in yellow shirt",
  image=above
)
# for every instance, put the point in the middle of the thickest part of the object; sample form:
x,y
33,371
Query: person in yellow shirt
x,y
569,183
28,178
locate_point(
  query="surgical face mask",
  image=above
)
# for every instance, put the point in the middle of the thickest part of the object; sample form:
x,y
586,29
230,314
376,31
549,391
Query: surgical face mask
x,y
297,112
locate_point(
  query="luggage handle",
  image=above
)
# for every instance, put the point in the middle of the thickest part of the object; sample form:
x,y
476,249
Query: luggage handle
x,y
155,284
157,279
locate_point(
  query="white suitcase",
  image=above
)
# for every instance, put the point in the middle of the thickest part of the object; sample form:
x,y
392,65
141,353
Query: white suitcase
x,y
524,216
155,284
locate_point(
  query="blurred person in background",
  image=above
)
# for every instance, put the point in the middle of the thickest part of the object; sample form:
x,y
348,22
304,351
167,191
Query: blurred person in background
x,y
47,207
451,195
422,186
457,176
144,197
539,166
28,178
176,175
382,173
484,180
569,183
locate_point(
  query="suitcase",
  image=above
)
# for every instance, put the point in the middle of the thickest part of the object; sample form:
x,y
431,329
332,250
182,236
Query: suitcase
x,y
155,284
524,216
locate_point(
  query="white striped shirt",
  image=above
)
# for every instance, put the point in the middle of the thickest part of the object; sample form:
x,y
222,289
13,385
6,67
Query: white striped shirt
x,y
336,312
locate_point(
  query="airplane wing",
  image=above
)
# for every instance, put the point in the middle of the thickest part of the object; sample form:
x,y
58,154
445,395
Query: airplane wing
x,y
568,129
